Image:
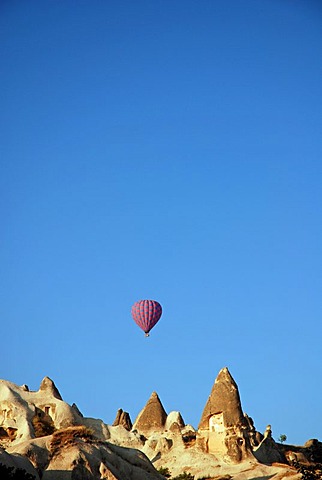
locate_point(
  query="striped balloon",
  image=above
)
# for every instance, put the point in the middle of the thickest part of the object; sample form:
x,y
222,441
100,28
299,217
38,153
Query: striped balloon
x,y
146,313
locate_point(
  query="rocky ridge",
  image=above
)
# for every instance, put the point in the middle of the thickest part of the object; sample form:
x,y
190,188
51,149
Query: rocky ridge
x,y
51,439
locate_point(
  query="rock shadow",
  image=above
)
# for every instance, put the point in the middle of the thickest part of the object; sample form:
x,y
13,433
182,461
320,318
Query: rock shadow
x,y
265,477
157,457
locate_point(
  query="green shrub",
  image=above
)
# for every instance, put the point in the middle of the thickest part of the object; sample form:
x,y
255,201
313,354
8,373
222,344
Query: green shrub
x,y
10,473
165,472
309,472
209,477
184,476
282,438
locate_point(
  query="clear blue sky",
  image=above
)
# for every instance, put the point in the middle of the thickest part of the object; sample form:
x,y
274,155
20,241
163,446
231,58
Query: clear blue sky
x,y
169,150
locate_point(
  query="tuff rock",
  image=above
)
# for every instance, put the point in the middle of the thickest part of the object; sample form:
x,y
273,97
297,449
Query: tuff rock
x,y
152,417
47,437
223,427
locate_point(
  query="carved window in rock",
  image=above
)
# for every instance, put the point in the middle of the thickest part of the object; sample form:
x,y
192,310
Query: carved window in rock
x,y
47,410
216,423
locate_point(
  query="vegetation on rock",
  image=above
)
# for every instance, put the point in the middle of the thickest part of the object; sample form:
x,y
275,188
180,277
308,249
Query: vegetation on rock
x,y
309,472
165,472
43,424
69,436
184,476
282,438
8,473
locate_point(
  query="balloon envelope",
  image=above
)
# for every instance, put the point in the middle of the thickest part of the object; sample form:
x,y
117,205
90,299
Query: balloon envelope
x,y
146,313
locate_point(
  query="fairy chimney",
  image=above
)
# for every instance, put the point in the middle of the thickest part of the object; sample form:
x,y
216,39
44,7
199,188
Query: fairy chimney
x,y
224,398
47,386
223,428
123,418
152,417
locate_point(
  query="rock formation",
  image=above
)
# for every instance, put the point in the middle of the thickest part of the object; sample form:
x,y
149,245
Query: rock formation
x,y
268,451
223,428
47,386
50,439
75,453
26,414
123,418
174,420
152,417
224,398
254,437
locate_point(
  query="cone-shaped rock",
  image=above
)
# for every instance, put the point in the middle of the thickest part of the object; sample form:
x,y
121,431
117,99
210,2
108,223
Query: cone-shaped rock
x,y
174,418
223,428
224,397
152,417
48,386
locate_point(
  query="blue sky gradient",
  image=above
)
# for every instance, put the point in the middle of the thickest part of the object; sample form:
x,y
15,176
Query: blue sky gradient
x,y
168,150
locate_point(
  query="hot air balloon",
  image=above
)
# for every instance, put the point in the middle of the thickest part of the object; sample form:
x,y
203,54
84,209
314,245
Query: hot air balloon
x,y
146,313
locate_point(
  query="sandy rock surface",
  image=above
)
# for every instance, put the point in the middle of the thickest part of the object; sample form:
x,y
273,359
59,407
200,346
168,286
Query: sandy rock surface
x,y
51,439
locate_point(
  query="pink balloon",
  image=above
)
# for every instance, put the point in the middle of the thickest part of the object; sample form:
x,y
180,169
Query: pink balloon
x,y
146,313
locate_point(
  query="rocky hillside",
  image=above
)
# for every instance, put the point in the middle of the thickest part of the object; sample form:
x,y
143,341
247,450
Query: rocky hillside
x,y
43,437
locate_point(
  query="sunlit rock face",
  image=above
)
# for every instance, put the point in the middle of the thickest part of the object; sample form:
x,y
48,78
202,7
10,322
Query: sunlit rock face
x,y
174,421
48,387
152,417
124,419
75,453
223,428
26,414
44,435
